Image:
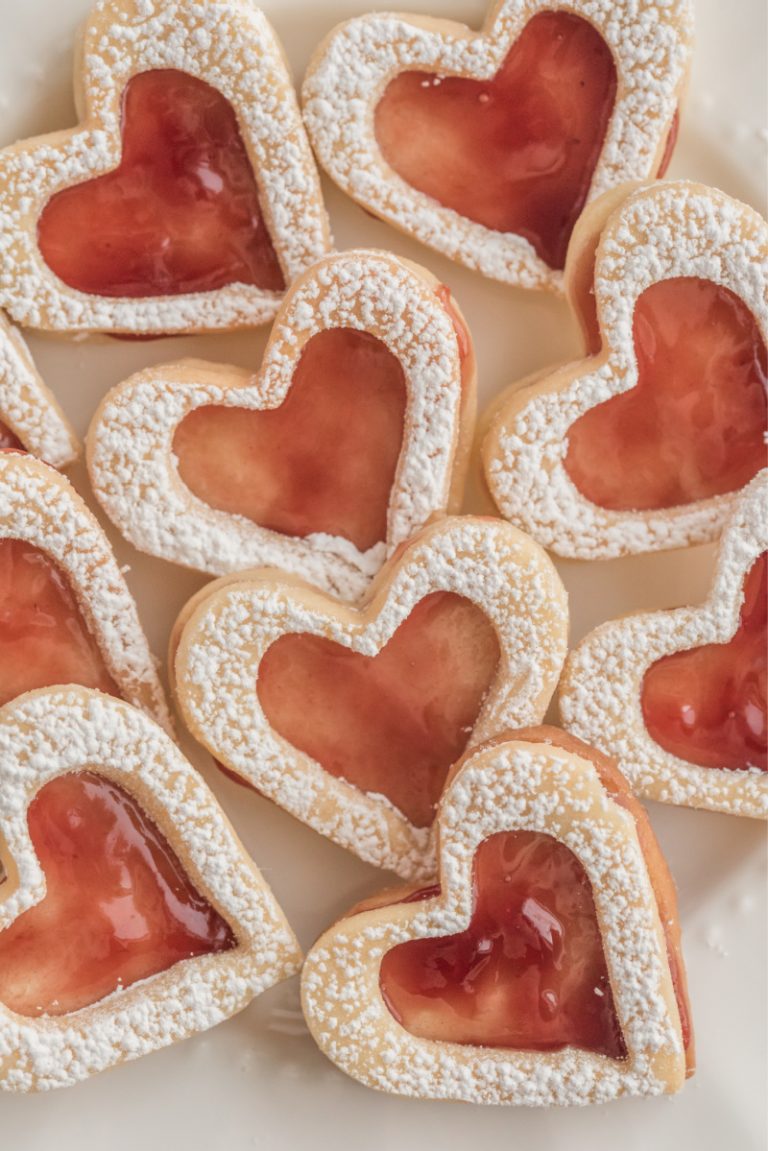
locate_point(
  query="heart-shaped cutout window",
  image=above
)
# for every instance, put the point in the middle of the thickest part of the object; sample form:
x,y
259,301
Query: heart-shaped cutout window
x,y
44,639
118,907
392,724
515,153
708,705
181,212
324,461
693,426
528,973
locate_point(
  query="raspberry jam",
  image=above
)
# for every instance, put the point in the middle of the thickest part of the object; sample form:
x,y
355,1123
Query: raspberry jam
x,y
392,724
693,425
669,146
323,461
44,639
300,469
180,213
8,439
463,338
515,153
708,705
118,905
528,973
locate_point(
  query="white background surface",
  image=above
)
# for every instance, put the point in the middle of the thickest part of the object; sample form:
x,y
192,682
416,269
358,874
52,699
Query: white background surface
x,y
258,1081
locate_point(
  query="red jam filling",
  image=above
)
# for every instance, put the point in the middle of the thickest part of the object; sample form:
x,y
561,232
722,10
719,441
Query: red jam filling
x,y
669,146
528,973
392,724
323,461
693,426
443,294
179,214
118,905
515,153
44,639
8,439
708,705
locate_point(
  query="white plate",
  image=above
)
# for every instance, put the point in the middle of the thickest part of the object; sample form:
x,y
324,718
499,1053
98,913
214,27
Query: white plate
x,y
258,1081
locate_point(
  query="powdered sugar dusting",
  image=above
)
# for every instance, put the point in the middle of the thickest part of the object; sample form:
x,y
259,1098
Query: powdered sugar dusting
x,y
659,232
40,506
130,443
510,786
222,644
49,733
651,49
601,693
230,45
26,405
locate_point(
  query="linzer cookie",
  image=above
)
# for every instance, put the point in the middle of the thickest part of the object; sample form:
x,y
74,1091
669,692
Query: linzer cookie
x,y
186,198
542,968
354,432
351,718
680,697
67,614
487,145
30,417
646,442
106,827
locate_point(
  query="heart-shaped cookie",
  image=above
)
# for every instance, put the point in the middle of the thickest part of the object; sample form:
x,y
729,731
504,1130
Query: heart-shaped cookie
x,y
66,614
186,198
353,433
679,697
487,145
645,443
544,966
351,718
30,417
130,914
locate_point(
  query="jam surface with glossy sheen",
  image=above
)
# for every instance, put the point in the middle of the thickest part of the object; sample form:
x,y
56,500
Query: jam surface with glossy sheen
x,y
118,905
180,214
529,972
693,425
44,639
8,440
515,153
323,461
392,724
708,705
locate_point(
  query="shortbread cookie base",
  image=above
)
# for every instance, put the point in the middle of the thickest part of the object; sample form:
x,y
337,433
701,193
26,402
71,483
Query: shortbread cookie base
x,y
40,507
352,67
130,443
52,732
28,408
513,784
636,238
220,640
227,43
601,688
